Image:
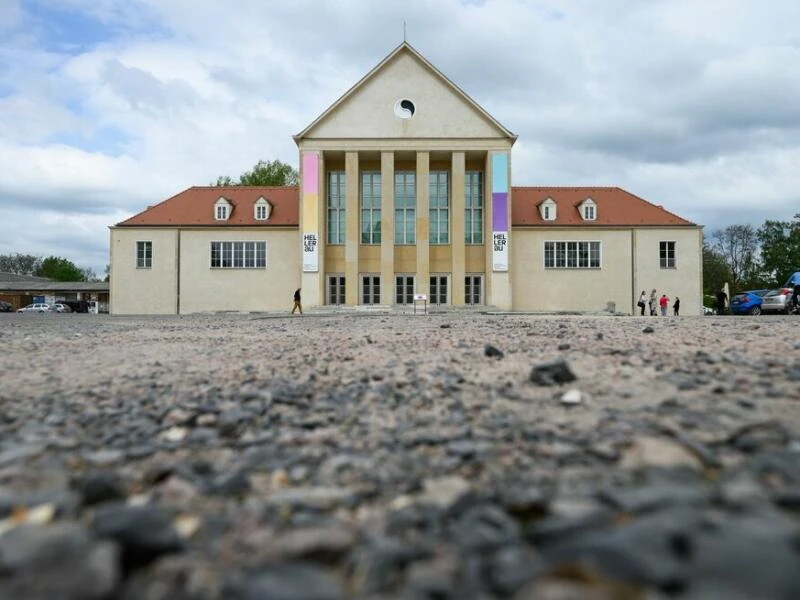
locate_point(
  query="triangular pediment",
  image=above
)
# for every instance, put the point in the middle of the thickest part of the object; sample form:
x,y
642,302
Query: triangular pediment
x,y
405,96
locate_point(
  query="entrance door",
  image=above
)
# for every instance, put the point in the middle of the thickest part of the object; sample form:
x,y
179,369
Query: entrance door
x,y
439,289
335,290
404,289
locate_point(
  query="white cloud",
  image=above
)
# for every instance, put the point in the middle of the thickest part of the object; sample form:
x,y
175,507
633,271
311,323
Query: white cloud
x,y
694,105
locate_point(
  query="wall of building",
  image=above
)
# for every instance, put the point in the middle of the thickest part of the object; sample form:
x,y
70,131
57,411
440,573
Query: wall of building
x,y
203,289
538,289
143,291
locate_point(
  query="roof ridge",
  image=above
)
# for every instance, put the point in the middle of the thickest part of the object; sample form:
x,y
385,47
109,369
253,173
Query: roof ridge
x,y
657,206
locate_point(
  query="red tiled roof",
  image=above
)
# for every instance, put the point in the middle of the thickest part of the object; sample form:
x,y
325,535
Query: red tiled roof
x,y
615,207
195,207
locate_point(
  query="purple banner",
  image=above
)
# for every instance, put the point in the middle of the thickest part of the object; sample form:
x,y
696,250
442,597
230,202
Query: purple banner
x,y
500,211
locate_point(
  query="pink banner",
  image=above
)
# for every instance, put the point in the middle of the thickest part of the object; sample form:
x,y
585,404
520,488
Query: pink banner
x,y
310,173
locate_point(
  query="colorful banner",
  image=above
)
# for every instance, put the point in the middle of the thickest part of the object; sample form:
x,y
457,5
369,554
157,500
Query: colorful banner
x,y
499,211
310,200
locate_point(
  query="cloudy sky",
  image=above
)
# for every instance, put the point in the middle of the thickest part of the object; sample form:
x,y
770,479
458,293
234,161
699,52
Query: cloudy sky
x,y
107,106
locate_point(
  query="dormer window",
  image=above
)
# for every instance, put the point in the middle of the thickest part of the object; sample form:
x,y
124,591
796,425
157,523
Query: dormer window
x,y
588,210
222,209
547,210
262,210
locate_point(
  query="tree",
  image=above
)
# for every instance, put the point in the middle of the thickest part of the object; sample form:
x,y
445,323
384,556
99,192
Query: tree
x,y
738,247
88,274
59,269
273,173
780,249
715,271
19,264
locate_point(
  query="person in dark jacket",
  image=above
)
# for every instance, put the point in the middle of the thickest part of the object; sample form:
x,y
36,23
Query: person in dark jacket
x,y
297,304
722,300
676,306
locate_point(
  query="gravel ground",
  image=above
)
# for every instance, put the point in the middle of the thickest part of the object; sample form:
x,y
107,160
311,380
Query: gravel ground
x,y
455,455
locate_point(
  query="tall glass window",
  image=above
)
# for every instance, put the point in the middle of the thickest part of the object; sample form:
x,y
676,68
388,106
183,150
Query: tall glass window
x,y
666,254
439,208
144,255
371,207
336,204
473,208
405,207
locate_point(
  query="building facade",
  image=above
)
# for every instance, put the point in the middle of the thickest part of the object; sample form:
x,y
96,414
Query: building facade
x,y
405,190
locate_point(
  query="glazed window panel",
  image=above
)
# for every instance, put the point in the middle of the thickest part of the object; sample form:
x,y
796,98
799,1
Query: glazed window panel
x,y
238,255
473,289
405,207
370,289
371,208
572,255
336,289
144,255
439,286
439,208
404,289
336,202
473,208
666,252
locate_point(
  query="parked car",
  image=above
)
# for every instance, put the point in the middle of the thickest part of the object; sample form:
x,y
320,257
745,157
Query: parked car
x,y
38,307
708,311
6,307
748,303
777,301
793,280
61,307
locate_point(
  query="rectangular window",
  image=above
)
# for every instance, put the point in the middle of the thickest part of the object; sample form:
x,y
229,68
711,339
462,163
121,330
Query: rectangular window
x,y
144,255
473,208
222,212
572,255
439,287
261,212
439,208
371,208
336,205
404,289
666,253
370,289
405,207
238,255
335,291
473,289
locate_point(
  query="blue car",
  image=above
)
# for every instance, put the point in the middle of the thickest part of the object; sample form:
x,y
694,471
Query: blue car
x,y
748,303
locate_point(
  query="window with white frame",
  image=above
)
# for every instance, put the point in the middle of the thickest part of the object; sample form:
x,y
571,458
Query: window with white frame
x,y
405,207
572,255
144,255
473,289
404,289
336,202
439,208
335,289
371,208
547,210
370,289
238,255
473,208
589,210
222,209
439,289
666,254
262,210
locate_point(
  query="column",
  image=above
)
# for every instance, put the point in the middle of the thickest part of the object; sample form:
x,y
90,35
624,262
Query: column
x,y
352,234
387,227
457,244
423,201
311,277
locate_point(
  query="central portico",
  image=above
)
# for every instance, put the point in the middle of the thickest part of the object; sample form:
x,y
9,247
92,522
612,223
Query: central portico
x,y
405,190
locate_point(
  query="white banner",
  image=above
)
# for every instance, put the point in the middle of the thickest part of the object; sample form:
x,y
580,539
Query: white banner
x,y
310,253
500,251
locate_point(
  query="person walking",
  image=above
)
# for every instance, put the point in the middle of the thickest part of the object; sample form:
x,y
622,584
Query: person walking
x,y
676,306
663,303
653,303
642,302
722,301
297,305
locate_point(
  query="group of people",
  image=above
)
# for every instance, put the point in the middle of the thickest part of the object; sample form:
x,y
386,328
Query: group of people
x,y
654,303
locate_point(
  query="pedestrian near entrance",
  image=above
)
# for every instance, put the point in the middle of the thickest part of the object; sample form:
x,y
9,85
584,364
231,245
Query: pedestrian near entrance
x,y
676,306
297,304
664,304
642,302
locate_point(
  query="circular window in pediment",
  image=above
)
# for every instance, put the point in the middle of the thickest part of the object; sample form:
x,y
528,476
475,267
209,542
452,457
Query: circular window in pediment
x,y
404,108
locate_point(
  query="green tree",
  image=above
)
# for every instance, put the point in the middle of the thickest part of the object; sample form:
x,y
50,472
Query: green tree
x,y
715,271
780,249
59,269
19,264
272,173
738,247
